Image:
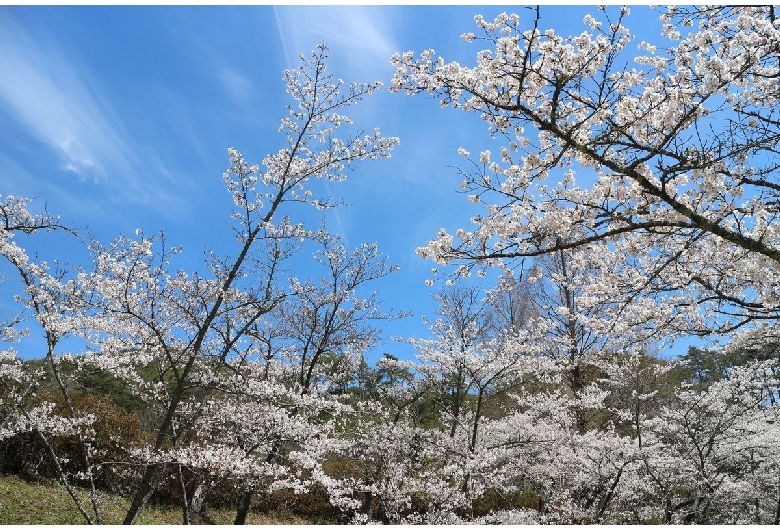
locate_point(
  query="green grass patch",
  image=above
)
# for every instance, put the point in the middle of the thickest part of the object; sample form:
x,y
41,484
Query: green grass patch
x,y
46,502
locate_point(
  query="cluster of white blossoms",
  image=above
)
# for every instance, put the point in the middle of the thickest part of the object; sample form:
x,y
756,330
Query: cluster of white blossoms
x,y
671,160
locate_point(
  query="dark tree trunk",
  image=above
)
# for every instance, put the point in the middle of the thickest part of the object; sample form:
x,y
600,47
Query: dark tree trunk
x,y
243,505
195,506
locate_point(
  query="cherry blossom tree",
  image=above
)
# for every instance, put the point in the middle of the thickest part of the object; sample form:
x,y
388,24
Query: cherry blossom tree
x,y
389,442
331,315
255,435
661,156
483,345
194,326
462,325
708,453
331,318
581,387
48,298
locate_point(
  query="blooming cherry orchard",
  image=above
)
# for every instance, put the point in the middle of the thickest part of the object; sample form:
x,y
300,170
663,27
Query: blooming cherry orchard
x,y
629,197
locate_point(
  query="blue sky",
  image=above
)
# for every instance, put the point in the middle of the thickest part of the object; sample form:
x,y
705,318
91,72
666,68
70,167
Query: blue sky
x,y
120,118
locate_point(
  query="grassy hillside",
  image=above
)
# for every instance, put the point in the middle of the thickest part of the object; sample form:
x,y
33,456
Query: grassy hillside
x,y
46,502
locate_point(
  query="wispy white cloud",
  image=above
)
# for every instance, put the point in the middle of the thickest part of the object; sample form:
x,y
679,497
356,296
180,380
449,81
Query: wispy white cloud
x,y
51,96
236,84
58,101
360,36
